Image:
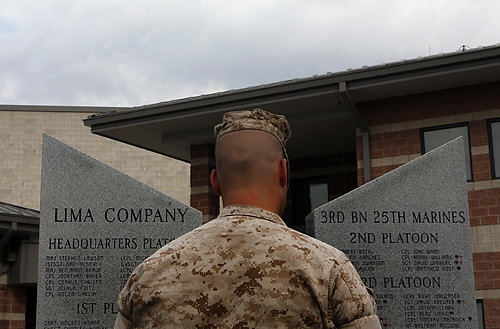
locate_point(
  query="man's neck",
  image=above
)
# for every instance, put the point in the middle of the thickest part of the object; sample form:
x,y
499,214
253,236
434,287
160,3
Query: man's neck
x,y
253,198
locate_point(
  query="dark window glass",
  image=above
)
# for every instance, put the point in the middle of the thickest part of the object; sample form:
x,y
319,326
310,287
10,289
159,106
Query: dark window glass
x,y
318,194
30,317
437,136
480,313
314,182
494,130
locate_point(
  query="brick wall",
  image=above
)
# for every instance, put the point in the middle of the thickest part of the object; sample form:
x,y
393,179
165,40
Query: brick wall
x,y
203,197
12,305
20,162
492,313
21,136
481,169
395,126
487,270
484,206
408,110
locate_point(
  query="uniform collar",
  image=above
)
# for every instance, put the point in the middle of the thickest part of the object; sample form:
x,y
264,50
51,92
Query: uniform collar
x,y
251,211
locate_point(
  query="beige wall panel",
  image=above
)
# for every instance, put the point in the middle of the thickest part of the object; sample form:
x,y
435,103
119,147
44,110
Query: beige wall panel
x,y
20,156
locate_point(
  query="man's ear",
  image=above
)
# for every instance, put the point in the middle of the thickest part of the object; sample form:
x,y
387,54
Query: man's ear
x,y
214,181
283,173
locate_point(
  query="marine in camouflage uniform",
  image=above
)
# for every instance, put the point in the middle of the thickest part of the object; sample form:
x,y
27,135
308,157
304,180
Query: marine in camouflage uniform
x,y
246,269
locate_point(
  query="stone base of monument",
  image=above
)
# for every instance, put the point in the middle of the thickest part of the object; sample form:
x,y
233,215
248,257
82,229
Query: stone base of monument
x,y
96,225
408,235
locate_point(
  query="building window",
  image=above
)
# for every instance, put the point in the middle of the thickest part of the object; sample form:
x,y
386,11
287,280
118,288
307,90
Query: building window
x,y
314,182
480,313
434,137
30,317
494,141
318,193
305,195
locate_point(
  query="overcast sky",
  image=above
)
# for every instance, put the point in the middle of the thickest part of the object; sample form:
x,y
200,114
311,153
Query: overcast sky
x,y
127,53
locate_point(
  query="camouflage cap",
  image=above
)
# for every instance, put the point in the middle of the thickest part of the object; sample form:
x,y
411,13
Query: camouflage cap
x,y
256,119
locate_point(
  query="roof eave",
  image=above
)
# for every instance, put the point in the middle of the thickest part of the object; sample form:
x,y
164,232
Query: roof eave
x,y
177,107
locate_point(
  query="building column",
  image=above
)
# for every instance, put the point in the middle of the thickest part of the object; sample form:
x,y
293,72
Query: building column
x,y
203,197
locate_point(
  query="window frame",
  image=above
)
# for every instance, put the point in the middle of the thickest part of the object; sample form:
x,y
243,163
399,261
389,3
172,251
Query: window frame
x,y
448,126
323,181
303,182
494,175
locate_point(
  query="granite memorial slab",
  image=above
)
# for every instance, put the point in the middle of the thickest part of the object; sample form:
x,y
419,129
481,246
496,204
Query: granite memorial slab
x,y
408,235
96,225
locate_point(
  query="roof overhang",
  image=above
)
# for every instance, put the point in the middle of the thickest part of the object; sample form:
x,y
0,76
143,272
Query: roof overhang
x,y
321,118
24,225
21,225
59,108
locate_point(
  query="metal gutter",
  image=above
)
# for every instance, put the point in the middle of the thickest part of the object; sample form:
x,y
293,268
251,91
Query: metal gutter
x,y
427,72
365,132
60,108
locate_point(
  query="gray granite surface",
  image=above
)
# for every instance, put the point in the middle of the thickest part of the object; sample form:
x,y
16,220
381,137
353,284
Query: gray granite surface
x,y
96,225
408,234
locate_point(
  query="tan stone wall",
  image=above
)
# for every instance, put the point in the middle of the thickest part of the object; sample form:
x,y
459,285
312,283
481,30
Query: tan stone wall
x,y
20,156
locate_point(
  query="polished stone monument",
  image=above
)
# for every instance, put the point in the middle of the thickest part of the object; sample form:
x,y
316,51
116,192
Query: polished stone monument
x,y
408,235
96,225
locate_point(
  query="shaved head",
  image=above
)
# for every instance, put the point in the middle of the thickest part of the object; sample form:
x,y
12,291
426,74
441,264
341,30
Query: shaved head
x,y
247,159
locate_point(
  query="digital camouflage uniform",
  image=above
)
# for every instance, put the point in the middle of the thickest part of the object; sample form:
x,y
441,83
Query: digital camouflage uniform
x,y
246,269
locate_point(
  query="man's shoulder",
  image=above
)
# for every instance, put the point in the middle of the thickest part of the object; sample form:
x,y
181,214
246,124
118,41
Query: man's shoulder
x,y
275,236
316,247
177,245
265,239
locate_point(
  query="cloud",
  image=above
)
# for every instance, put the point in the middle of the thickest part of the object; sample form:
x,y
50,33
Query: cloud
x,y
128,53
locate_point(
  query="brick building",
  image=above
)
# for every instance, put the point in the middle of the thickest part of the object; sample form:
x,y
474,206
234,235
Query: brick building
x,y
397,129
21,129
348,128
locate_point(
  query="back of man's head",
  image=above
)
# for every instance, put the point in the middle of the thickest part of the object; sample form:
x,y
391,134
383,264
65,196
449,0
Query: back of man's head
x,y
247,159
251,159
